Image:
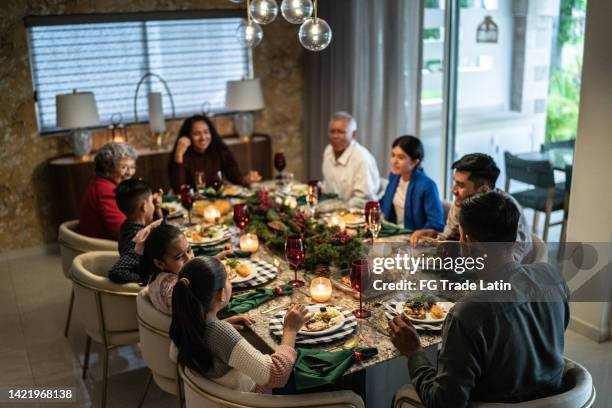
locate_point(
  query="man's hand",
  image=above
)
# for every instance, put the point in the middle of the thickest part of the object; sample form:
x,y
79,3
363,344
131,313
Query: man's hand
x,y
404,336
240,320
418,234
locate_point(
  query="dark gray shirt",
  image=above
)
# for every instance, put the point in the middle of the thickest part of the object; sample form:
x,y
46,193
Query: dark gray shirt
x,y
508,351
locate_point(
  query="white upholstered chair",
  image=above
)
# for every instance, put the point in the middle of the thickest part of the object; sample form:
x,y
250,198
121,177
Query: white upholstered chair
x,y
71,244
579,393
106,310
203,393
154,326
446,206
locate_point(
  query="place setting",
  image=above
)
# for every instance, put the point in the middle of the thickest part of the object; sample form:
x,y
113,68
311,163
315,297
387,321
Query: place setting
x,y
425,312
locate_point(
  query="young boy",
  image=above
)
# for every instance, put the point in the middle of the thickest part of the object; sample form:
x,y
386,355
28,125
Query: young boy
x,y
136,200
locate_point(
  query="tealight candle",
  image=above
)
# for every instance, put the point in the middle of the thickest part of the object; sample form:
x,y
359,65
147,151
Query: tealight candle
x,y
335,222
249,242
320,289
211,214
291,202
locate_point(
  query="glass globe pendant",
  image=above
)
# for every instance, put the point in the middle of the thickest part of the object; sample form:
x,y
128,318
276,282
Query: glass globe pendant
x,y
263,11
315,34
296,11
249,34
236,1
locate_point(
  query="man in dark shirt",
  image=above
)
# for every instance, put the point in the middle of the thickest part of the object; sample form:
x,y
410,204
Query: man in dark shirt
x,y
496,346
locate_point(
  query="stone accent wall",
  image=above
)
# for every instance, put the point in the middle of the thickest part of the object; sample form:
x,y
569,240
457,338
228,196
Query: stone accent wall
x,y
25,184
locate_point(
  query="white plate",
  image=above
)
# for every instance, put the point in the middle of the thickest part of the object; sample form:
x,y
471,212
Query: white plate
x,y
359,221
174,209
252,267
336,327
223,234
446,306
298,190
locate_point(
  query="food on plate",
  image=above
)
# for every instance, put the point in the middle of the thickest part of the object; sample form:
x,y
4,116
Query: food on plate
x,y
223,206
420,306
234,267
323,319
200,233
231,190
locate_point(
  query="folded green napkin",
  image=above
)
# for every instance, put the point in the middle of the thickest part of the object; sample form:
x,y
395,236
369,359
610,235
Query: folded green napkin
x,y
244,303
388,230
323,197
169,198
314,368
206,251
242,254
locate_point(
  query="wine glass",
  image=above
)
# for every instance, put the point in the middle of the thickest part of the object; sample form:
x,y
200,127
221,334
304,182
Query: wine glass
x,y
374,222
217,182
241,216
369,205
360,278
317,184
187,199
280,163
294,250
312,198
200,180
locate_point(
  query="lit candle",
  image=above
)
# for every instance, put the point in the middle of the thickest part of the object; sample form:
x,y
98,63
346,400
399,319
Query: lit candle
x,y
211,214
249,242
291,202
335,222
320,289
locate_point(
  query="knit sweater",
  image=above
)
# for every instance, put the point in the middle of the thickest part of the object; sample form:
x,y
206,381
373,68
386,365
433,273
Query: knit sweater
x,y
240,366
125,270
100,216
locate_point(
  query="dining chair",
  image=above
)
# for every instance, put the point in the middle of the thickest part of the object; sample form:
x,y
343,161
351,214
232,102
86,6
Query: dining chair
x,y
71,244
579,392
565,144
106,310
568,187
546,197
203,393
154,327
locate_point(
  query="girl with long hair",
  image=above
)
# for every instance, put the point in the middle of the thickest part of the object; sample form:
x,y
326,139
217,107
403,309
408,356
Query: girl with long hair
x,y
165,252
213,348
199,148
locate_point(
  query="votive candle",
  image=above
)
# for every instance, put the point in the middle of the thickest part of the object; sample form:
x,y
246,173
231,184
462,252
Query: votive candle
x,y
320,289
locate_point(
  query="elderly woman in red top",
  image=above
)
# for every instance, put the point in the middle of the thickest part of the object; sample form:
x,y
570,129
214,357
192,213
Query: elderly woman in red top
x,y
200,149
100,216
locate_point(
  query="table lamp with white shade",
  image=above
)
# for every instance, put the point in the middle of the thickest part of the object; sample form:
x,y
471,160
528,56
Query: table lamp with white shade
x,y
77,111
244,97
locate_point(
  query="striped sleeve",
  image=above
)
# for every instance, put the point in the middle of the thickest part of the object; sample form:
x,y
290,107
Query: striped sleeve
x,y
268,371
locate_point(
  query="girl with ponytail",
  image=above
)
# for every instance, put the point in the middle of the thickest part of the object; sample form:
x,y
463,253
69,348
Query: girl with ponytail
x,y
213,348
165,252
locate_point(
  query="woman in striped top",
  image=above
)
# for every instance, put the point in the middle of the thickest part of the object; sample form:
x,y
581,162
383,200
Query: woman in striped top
x,y
213,348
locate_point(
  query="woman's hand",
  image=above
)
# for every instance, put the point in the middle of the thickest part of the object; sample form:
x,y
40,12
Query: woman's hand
x,y
181,147
252,177
295,318
240,320
418,234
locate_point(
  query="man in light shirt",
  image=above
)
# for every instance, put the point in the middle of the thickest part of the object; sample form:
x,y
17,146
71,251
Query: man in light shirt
x,y
349,169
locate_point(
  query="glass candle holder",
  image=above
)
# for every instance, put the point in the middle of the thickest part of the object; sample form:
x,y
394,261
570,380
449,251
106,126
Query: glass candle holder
x,y
249,242
320,289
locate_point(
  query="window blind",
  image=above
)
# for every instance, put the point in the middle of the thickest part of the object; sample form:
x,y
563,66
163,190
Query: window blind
x,y
196,57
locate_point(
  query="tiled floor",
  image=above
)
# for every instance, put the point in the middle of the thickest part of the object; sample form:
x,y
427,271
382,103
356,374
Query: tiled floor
x,y
33,351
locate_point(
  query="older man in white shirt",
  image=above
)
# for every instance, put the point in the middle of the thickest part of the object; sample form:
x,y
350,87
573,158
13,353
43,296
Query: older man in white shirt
x,y
349,169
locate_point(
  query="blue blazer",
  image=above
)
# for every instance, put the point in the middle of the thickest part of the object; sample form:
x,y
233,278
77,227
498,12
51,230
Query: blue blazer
x,y
422,209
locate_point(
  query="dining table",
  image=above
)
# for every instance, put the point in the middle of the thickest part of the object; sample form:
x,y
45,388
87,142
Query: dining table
x,y
369,332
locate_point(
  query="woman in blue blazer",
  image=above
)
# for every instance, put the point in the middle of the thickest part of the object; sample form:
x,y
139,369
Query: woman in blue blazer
x,y
411,196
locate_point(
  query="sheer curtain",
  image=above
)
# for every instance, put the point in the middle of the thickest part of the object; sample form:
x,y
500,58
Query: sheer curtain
x,y
370,70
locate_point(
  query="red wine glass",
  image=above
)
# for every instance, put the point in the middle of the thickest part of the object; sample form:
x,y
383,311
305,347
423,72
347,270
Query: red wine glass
x,y
317,185
280,162
187,199
294,250
241,215
360,277
369,205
